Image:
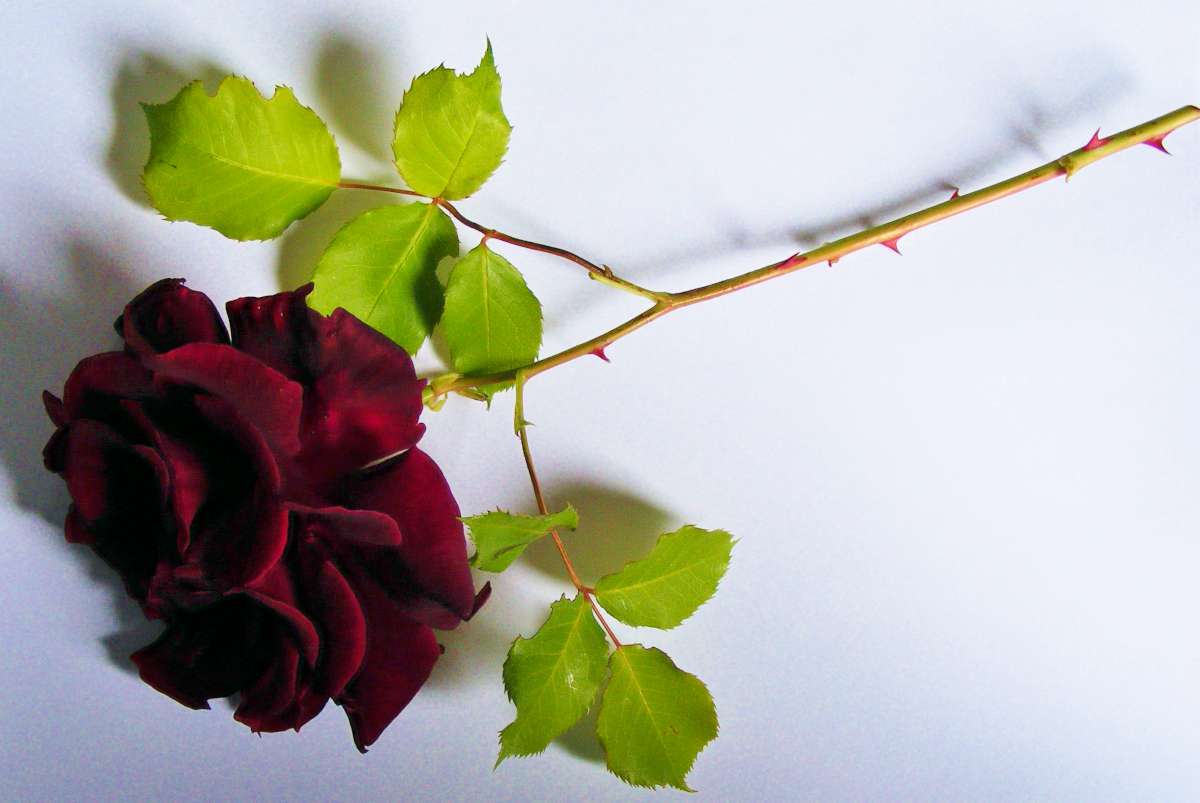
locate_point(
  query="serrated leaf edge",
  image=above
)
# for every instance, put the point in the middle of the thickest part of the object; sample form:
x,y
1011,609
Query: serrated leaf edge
x,y
586,613
732,543
716,722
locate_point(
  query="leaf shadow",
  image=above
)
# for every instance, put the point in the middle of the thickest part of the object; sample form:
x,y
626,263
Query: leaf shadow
x,y
40,350
615,526
580,740
301,246
146,77
358,91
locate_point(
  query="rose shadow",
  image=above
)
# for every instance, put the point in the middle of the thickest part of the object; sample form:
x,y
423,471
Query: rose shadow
x,y
40,351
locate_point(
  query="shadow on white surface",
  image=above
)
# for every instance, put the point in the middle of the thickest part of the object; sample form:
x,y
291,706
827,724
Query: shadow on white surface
x,y
146,77
42,333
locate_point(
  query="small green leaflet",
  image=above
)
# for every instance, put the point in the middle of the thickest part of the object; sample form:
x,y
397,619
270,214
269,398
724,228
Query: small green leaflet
x,y
450,130
381,268
493,321
654,718
667,586
501,537
552,677
244,165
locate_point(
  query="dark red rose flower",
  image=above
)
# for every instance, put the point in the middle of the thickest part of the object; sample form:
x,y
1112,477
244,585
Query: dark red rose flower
x,y
264,495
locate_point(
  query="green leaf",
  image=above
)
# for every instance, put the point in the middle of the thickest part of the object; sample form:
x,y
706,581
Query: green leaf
x,y
450,130
654,718
552,677
381,268
244,165
501,537
667,586
493,321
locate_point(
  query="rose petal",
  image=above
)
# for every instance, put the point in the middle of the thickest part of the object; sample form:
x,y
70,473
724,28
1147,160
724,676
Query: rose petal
x,y
187,471
260,394
54,408
362,397
214,652
100,382
333,524
334,605
275,591
241,531
433,553
273,694
400,655
167,315
76,529
280,330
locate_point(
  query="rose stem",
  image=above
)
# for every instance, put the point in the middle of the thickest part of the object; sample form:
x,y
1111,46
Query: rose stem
x,y
1150,133
521,427
601,273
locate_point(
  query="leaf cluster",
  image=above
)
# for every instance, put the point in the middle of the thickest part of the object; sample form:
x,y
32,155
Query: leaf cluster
x,y
249,166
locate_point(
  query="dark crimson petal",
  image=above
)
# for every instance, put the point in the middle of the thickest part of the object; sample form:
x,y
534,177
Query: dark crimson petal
x,y
364,400
76,528
273,694
333,524
188,475
433,551
214,652
100,467
262,395
275,591
167,315
331,601
280,330
363,397
243,532
54,408
99,382
400,655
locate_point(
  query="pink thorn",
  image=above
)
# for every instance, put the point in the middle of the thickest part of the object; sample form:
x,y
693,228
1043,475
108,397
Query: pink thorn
x,y
832,261
954,194
892,244
599,352
1157,143
790,262
1096,141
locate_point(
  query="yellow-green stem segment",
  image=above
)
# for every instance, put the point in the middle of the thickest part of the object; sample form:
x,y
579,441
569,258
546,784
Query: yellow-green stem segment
x,y
890,232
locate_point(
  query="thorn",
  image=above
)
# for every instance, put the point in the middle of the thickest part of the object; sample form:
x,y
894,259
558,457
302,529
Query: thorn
x,y
791,262
1096,141
599,352
831,262
892,244
1157,143
954,194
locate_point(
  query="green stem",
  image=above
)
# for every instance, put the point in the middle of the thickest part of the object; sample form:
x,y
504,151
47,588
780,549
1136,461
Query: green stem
x,y
601,273
886,233
521,426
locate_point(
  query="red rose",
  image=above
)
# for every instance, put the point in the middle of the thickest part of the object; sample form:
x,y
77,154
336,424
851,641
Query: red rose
x,y
265,496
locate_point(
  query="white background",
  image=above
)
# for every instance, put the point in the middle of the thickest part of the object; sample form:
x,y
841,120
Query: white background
x,y
965,480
